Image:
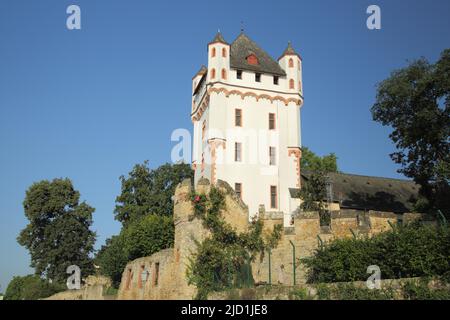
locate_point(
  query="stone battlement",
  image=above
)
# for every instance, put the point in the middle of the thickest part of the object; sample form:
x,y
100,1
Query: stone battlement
x,y
163,274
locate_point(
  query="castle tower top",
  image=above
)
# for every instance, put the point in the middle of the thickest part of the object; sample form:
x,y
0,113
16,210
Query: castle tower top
x,y
260,61
289,51
218,38
246,117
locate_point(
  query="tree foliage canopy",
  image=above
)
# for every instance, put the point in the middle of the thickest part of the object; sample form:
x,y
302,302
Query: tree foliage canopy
x,y
312,162
112,259
148,235
415,102
58,233
313,192
30,287
140,238
147,191
145,208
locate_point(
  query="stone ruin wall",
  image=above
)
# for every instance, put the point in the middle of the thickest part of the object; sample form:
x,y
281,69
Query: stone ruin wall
x,y
94,288
167,269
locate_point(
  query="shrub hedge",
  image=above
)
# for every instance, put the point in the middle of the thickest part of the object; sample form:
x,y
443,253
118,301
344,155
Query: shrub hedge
x,y
414,250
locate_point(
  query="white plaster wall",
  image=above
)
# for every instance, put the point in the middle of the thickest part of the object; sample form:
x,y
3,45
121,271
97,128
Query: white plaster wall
x,y
218,62
253,172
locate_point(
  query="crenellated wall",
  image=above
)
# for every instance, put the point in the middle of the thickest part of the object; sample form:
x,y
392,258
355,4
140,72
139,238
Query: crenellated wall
x,y
166,270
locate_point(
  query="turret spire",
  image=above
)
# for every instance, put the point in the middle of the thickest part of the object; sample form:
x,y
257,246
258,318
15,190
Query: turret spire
x,y
219,38
289,51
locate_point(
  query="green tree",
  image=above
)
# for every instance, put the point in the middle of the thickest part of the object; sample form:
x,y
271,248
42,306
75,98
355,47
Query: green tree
x,y
112,259
415,102
147,191
313,193
30,287
149,235
58,233
312,162
140,238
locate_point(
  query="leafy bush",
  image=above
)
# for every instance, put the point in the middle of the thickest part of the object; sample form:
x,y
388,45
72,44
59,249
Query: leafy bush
x,y
148,235
419,290
300,294
408,251
31,287
111,291
342,291
112,259
348,291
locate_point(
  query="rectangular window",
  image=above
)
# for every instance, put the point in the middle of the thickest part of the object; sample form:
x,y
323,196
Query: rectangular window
x,y
237,151
238,117
275,80
140,280
238,189
129,279
273,197
258,77
272,155
156,274
239,74
271,121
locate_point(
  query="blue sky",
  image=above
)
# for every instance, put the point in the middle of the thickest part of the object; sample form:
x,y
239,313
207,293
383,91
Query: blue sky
x,y
89,104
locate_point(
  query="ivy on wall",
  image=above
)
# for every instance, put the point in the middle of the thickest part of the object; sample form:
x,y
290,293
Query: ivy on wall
x,y
223,259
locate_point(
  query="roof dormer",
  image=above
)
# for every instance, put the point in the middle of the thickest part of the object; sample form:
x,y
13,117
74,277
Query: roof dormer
x,y
252,59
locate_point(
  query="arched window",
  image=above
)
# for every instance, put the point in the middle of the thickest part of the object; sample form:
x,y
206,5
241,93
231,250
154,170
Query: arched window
x,y
300,86
291,84
224,52
224,74
213,52
291,63
213,73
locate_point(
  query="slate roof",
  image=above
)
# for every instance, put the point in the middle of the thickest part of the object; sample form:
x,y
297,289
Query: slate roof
x,y
202,71
242,47
289,51
219,38
370,193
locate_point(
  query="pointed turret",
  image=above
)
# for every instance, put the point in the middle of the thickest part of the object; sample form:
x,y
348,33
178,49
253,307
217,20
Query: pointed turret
x,y
218,59
291,62
289,51
218,38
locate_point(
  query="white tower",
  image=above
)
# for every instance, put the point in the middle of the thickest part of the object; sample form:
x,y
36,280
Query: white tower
x,y
246,116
